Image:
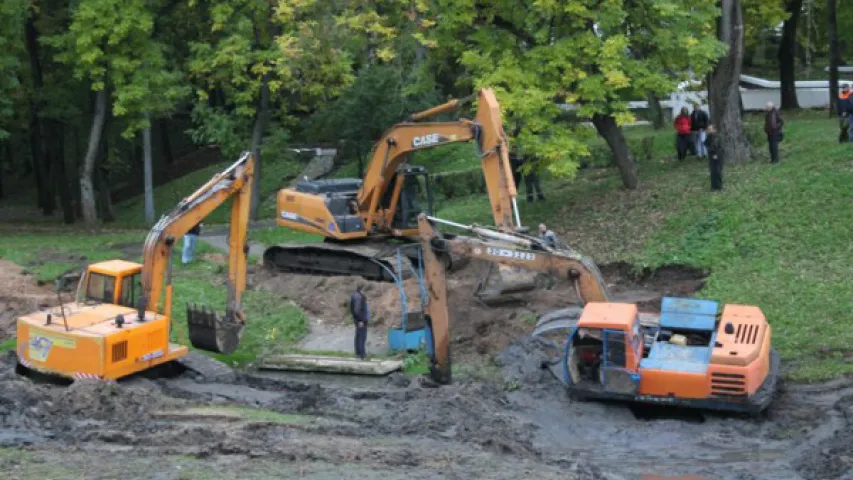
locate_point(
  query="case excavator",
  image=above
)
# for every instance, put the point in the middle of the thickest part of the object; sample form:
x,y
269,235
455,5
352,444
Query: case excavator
x,y
688,355
362,219
118,324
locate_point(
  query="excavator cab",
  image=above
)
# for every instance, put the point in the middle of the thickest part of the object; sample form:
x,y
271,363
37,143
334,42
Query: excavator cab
x,y
415,196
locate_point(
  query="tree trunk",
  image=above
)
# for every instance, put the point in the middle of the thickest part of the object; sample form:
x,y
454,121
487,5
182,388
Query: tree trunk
x,y
75,174
787,58
87,191
37,131
606,126
60,177
834,55
257,142
4,159
102,183
149,187
655,110
723,92
165,142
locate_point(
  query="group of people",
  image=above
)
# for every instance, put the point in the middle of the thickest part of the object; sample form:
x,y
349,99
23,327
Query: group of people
x,y
695,133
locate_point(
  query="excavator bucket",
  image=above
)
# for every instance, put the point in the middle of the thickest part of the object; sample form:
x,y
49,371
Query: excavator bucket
x,y
213,332
501,283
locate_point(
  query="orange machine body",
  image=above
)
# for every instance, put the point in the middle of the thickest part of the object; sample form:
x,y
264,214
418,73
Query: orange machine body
x,y
691,357
82,339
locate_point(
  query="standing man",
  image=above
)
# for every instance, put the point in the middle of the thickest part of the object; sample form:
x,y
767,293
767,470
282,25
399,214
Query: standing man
x,y
773,128
845,107
190,239
360,315
715,159
698,124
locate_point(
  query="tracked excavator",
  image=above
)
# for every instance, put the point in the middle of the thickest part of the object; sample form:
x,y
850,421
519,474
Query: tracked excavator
x,y
119,323
362,220
687,355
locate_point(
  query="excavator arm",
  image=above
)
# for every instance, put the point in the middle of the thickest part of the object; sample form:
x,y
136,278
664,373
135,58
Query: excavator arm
x,y
208,330
504,248
407,137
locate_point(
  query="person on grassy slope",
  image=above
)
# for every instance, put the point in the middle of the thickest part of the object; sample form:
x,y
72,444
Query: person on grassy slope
x,y
773,124
682,133
845,109
190,240
715,159
698,125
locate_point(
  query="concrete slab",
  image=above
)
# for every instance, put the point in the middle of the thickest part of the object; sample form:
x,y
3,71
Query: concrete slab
x,y
321,363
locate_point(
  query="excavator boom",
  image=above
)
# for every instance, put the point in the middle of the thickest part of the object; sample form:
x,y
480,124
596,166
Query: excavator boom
x,y
208,330
510,249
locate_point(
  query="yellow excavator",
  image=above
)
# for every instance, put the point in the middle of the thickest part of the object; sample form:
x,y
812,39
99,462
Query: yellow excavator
x,y
119,323
688,355
362,219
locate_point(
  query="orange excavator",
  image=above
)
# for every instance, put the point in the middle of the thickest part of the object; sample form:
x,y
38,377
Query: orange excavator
x,y
362,219
118,324
688,355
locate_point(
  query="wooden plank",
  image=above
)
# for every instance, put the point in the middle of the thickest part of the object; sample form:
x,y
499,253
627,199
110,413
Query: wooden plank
x,y
320,363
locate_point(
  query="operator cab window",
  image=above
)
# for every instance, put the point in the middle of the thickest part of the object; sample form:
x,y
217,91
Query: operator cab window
x,y
130,288
100,288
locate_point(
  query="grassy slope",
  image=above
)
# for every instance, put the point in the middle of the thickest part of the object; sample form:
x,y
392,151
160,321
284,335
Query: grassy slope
x,y
132,212
777,237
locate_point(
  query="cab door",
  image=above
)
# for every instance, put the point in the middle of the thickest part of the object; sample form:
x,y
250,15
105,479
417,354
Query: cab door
x,y
619,362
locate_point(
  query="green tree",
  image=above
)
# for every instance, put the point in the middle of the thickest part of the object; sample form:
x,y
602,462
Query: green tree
x,y
13,14
589,53
110,45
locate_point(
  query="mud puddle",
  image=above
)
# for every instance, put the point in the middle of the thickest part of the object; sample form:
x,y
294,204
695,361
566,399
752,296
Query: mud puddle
x,y
805,434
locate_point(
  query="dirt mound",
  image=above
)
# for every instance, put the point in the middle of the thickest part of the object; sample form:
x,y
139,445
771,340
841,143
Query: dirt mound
x,y
477,328
19,295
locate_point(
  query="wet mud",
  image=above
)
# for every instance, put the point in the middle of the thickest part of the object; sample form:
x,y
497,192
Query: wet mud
x,y
521,425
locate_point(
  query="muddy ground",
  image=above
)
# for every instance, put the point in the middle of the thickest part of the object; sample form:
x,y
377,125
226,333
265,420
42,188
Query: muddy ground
x,y
270,425
504,417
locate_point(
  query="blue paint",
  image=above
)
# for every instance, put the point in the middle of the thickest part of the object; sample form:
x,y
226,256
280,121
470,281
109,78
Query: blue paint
x,y
688,305
676,358
687,321
401,340
688,314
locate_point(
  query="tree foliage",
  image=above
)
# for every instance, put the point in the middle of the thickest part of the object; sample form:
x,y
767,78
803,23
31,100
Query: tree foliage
x,y
593,54
109,43
12,17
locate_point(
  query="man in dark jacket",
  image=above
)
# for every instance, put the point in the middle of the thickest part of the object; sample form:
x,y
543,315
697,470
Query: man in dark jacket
x,y
845,109
698,124
360,315
715,158
773,128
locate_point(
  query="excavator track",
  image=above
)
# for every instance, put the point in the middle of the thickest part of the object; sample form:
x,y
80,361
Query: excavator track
x,y
376,262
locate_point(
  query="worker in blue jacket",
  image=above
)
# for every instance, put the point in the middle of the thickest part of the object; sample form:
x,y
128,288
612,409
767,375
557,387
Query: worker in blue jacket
x,y
360,315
